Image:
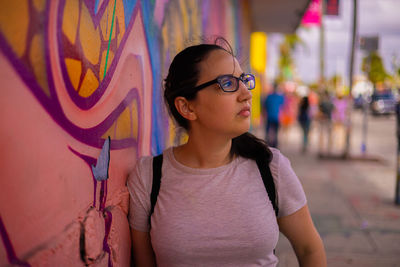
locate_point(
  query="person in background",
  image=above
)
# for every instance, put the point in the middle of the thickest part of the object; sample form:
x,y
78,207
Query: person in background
x,y
339,120
212,208
304,118
325,120
272,107
288,113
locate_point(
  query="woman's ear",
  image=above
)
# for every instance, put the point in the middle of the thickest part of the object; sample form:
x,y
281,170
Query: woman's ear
x,y
185,108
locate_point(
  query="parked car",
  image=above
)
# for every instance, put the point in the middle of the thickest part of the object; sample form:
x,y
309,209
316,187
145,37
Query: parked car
x,y
383,103
360,101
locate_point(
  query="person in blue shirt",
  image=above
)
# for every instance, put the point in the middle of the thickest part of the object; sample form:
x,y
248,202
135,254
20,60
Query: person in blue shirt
x,y
272,106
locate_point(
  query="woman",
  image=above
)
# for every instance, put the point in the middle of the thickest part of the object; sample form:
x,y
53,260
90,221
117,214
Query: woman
x,y
212,208
304,119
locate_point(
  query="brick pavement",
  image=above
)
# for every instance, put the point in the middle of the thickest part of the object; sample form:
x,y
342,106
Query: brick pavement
x,y
351,201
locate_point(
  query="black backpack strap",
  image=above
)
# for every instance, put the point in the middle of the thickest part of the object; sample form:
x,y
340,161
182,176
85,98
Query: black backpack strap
x,y
268,181
157,165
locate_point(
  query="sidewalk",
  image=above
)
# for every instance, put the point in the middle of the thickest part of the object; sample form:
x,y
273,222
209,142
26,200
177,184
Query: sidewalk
x,y
351,201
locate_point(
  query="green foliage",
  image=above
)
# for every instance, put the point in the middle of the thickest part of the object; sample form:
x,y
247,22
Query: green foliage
x,y
314,87
286,62
373,67
335,80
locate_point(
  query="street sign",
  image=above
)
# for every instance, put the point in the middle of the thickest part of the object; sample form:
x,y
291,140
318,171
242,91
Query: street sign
x,y
369,43
332,7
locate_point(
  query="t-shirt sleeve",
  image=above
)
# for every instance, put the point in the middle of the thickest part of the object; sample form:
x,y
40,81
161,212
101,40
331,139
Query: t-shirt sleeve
x,y
290,193
139,184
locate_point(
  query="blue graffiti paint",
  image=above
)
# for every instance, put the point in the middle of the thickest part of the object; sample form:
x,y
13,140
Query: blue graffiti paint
x,y
96,5
128,10
103,191
158,127
100,171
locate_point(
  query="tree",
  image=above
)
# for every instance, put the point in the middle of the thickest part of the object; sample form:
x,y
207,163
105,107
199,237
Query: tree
x,y
286,62
373,67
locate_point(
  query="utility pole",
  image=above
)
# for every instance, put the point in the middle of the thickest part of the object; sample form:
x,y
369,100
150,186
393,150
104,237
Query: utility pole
x,y
397,193
365,114
350,106
322,45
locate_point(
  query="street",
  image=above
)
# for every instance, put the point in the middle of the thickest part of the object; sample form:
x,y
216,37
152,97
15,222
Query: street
x,y
351,201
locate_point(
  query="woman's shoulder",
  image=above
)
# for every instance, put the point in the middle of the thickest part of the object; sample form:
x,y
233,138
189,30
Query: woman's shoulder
x,y
146,161
278,162
140,168
276,154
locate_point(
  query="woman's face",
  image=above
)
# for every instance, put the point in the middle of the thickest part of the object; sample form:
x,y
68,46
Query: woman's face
x,y
219,112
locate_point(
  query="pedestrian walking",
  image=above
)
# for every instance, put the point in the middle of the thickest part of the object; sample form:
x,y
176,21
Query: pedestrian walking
x,y
212,208
272,107
304,118
325,121
339,120
288,113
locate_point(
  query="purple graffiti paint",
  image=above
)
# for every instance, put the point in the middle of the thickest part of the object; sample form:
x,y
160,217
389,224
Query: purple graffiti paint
x,y
91,136
12,258
89,161
102,201
106,247
86,103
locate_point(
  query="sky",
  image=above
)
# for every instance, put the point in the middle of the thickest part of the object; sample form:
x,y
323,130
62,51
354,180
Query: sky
x,y
375,18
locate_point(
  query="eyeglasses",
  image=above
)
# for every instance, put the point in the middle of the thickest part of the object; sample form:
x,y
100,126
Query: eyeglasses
x,y
230,83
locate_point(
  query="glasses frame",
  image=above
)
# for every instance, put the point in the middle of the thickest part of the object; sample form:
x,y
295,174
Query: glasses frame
x,y
219,78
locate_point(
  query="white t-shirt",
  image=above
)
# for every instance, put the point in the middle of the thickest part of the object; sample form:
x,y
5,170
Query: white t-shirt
x,y
213,217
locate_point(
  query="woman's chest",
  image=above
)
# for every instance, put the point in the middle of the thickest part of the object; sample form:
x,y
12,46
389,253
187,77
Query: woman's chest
x,y
226,213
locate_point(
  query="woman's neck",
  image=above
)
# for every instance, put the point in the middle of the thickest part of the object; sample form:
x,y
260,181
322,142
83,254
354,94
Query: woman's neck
x,y
204,153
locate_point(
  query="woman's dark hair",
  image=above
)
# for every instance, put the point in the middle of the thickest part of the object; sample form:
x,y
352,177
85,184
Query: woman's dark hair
x,y
304,104
183,75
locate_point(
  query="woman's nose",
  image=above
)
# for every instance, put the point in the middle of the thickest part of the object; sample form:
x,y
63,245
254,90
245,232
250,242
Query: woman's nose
x,y
244,93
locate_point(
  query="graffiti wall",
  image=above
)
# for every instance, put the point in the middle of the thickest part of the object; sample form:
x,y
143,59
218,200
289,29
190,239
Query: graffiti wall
x,y
81,100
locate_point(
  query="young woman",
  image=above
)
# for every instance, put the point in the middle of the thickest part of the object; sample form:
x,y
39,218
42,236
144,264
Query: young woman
x,y
212,208
304,118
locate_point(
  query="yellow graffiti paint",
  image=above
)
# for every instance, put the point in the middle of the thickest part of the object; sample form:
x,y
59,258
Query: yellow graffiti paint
x,y
103,62
194,19
36,57
258,63
256,103
123,129
110,132
258,51
89,37
135,120
120,14
106,20
14,20
70,20
89,84
74,68
39,4
184,17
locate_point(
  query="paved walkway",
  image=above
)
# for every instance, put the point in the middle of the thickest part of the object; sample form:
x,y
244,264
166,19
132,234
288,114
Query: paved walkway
x,y
351,201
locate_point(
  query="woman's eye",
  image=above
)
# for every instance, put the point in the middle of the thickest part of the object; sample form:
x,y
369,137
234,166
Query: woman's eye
x,y
226,84
246,78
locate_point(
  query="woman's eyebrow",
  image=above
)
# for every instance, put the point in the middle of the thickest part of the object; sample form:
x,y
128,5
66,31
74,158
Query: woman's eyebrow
x,y
232,74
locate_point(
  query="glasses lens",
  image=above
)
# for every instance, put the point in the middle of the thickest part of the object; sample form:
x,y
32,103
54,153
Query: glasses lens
x,y
249,81
228,83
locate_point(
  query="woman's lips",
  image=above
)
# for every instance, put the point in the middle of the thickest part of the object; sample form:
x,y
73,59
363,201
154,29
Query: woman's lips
x,y
245,112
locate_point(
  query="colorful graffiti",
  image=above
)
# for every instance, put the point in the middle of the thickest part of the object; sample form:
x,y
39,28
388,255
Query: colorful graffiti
x,y
78,76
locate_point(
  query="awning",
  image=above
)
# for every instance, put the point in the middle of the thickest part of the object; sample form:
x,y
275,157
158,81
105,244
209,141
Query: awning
x,y
282,16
